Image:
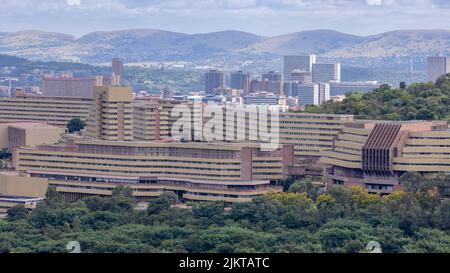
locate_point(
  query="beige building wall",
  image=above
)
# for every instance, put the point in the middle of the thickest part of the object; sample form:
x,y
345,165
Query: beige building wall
x,y
4,139
56,111
111,116
12,184
28,134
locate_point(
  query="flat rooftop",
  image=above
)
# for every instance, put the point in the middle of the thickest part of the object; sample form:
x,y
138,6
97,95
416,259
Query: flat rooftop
x,y
28,125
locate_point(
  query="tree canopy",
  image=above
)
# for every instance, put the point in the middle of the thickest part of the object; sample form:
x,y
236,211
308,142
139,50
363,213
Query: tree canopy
x,y
419,101
75,125
300,220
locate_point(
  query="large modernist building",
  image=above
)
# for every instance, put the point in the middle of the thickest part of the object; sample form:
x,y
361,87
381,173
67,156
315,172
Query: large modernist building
x,y
196,171
56,111
17,134
15,190
69,87
111,115
374,154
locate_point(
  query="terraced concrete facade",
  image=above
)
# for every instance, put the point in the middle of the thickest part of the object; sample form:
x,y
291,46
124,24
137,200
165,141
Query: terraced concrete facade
x,y
57,111
375,154
196,171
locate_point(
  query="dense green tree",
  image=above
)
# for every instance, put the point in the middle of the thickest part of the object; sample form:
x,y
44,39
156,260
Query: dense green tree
x,y
422,101
161,203
17,212
75,125
309,185
339,220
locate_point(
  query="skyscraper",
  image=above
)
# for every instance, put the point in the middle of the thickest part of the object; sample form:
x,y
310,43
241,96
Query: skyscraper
x,y
117,69
214,79
326,72
302,63
241,81
436,67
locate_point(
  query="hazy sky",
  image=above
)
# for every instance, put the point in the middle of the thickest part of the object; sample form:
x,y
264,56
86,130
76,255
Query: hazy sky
x,y
264,17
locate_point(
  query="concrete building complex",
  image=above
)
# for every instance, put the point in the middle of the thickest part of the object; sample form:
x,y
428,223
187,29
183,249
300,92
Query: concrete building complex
x,y
19,190
14,135
57,111
374,154
111,115
69,87
196,171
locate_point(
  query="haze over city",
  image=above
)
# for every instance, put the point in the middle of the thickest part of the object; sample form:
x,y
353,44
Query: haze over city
x,y
262,17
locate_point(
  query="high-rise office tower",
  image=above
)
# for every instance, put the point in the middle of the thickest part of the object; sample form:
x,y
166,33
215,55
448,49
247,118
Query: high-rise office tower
x,y
117,69
302,77
272,82
111,116
241,81
214,79
291,63
255,85
272,76
326,72
436,67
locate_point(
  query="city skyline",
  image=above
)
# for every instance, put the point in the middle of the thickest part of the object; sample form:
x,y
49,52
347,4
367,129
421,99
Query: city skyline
x,y
266,18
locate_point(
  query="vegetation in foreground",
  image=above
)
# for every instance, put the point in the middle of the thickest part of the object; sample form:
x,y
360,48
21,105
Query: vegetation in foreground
x,y
299,220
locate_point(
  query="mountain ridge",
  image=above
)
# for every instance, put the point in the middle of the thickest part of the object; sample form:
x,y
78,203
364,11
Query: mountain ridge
x,y
144,44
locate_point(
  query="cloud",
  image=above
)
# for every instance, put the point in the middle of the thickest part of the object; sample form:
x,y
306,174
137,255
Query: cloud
x,y
374,2
73,2
260,16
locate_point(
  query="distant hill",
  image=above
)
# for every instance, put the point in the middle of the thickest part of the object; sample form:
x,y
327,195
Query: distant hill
x,y
315,41
398,43
136,45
